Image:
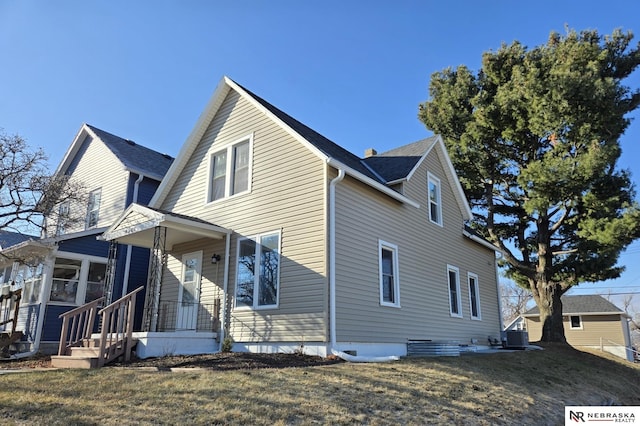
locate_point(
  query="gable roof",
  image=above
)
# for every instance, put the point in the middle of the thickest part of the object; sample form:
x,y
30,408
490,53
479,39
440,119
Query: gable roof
x,y
134,157
582,304
370,172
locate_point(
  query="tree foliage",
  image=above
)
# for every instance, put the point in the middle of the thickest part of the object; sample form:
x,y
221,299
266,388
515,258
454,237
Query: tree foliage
x,y
534,136
28,191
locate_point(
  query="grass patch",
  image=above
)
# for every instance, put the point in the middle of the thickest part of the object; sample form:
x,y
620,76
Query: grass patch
x,y
529,387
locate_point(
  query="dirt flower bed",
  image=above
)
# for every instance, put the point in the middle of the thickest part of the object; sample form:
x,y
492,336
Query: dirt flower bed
x,y
219,361
229,361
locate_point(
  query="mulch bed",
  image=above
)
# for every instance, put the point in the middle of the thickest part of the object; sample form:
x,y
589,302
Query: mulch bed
x,y
218,361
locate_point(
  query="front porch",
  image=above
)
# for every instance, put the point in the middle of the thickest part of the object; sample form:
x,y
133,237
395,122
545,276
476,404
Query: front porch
x,y
187,284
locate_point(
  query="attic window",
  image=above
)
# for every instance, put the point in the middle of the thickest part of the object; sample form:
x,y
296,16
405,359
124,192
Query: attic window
x,y
230,170
435,203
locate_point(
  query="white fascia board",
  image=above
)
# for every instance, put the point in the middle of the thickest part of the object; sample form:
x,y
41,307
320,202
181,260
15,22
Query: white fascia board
x,y
78,234
277,120
419,163
171,221
191,143
72,150
462,199
372,183
481,241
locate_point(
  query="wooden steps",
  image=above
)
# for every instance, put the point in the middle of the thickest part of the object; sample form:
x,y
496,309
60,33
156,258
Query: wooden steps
x,y
85,356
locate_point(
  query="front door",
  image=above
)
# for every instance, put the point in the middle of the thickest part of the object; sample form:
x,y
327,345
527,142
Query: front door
x,y
189,291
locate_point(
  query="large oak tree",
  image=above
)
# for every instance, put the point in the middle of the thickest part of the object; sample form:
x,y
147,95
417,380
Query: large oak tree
x,y
534,136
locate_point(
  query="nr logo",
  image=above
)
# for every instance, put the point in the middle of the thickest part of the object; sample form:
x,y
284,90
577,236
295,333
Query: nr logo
x,y
576,416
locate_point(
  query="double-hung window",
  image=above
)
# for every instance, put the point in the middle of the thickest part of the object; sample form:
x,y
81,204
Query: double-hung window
x,y
435,202
388,272
455,302
474,296
93,208
258,276
230,170
63,217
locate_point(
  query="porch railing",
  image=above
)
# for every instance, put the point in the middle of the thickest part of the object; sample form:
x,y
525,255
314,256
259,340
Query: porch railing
x,y
117,328
116,331
77,325
9,307
177,316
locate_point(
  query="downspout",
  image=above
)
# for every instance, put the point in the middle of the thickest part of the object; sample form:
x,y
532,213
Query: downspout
x,y
127,264
332,257
500,318
225,287
332,280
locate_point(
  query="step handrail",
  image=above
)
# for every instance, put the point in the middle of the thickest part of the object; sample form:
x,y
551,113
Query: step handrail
x,y
117,328
81,320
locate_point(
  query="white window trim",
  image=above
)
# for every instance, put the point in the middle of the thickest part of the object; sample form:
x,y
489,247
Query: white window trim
x,y
81,292
571,327
228,148
432,178
459,304
396,274
473,276
256,278
88,216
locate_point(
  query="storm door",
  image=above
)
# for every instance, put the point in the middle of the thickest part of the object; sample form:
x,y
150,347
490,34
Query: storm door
x,y
189,291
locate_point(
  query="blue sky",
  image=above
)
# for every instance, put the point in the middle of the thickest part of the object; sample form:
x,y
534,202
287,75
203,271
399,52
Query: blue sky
x,y
353,70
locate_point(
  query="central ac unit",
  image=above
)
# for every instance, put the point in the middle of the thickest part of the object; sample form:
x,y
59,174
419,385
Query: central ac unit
x,y
515,339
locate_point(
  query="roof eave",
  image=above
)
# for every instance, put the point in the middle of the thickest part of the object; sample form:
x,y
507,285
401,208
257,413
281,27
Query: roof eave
x,y
481,241
372,183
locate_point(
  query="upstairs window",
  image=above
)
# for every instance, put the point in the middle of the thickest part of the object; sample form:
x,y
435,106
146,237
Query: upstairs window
x,y
435,203
93,208
388,271
455,303
258,277
63,217
230,170
474,296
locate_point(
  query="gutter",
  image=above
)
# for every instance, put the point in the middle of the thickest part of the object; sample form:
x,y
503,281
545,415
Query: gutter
x,y
332,280
374,184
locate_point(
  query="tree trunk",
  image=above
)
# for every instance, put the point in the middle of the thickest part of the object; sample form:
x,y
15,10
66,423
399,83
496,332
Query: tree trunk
x,y
550,307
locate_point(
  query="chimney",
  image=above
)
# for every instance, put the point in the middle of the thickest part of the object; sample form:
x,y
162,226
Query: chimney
x,y
370,152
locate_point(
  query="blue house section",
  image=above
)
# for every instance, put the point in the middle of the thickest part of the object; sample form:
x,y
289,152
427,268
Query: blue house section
x,y
89,245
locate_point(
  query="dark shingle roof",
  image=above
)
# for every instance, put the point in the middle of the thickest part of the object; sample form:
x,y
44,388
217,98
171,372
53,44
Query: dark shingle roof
x,y
8,238
397,163
326,146
134,156
583,305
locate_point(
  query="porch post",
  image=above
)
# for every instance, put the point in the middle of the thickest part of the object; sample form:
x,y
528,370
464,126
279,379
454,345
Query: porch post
x,y
156,266
110,277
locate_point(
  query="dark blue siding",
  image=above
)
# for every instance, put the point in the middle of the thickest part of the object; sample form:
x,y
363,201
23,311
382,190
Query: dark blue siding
x,y
88,245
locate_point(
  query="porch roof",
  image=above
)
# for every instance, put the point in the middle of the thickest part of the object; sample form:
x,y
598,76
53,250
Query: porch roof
x,y
136,226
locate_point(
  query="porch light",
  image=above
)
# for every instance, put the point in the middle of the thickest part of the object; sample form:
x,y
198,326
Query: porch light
x,y
215,258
